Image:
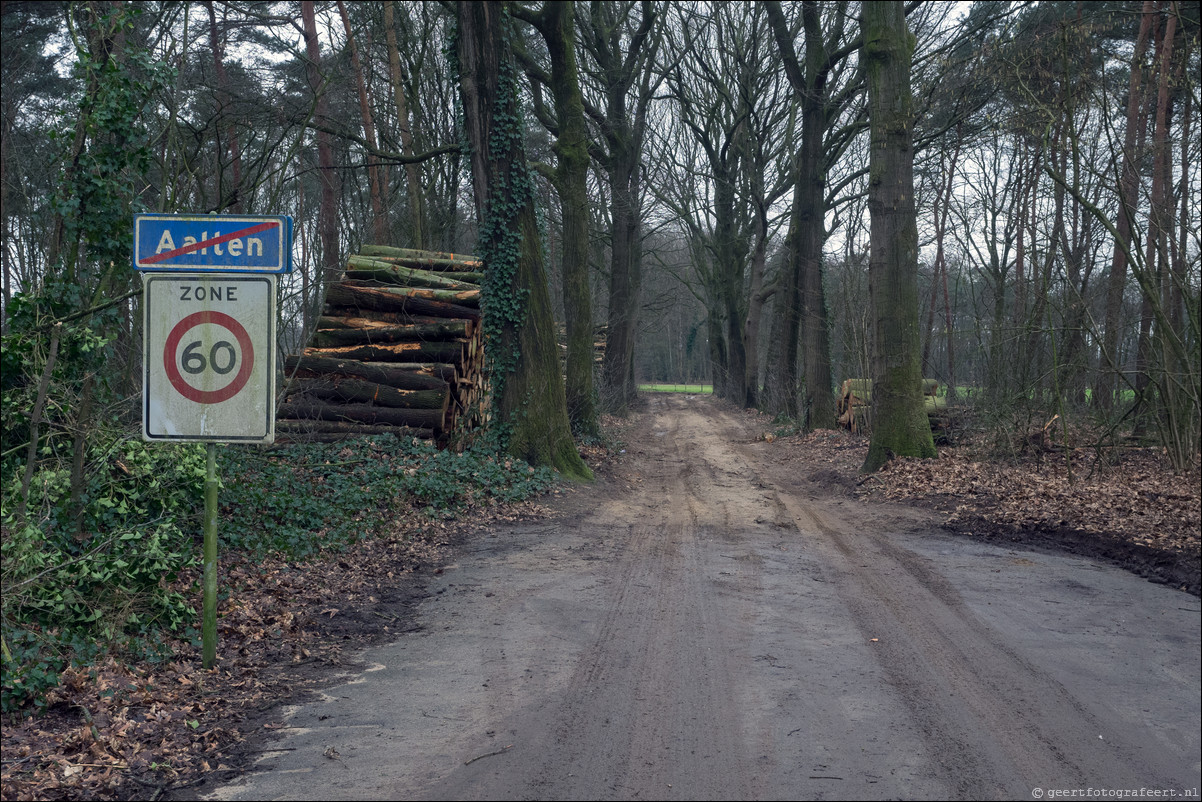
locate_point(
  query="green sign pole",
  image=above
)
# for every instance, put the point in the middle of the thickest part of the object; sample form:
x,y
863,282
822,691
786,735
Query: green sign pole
x,y
208,625
210,280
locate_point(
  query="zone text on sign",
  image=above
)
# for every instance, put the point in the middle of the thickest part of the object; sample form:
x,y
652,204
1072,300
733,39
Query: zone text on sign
x,y
200,292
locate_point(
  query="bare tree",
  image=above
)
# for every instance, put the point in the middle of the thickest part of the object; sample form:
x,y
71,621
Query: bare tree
x,y
556,23
900,426
622,39
729,99
327,226
802,298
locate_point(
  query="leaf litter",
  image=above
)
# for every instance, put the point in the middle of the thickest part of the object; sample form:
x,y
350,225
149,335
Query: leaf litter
x,y
136,729
131,728
1127,507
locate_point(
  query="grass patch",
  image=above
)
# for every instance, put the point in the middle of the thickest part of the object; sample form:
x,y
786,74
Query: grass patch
x,y
694,389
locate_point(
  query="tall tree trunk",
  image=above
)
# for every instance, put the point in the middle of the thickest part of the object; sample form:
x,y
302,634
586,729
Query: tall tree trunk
x,y
377,174
6,268
943,202
784,382
417,211
1178,318
900,426
719,358
756,296
1112,363
231,199
1028,176
1170,370
1031,364
102,46
819,399
621,63
625,281
557,25
327,214
725,307
527,385
1149,274
804,302
1184,313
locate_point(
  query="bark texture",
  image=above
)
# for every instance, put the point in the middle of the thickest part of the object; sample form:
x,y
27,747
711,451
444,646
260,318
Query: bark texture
x,y
900,426
527,382
803,302
556,23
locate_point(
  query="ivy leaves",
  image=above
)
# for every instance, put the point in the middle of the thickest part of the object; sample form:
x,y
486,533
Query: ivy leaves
x,y
511,191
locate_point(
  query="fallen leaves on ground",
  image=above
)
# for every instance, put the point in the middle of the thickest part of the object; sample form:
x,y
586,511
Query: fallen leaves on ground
x,y
1136,500
132,728
1125,505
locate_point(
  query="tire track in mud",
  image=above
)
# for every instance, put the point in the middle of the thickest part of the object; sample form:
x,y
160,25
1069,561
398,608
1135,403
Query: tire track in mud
x,y
997,723
653,686
705,627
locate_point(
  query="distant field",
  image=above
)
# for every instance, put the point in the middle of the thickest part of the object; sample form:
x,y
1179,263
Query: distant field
x,y
677,388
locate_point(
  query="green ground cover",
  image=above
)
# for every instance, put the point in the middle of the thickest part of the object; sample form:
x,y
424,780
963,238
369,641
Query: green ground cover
x,y
104,574
696,389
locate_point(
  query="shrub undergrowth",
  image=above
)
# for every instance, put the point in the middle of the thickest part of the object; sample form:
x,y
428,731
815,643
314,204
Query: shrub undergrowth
x,y
78,586
304,499
82,580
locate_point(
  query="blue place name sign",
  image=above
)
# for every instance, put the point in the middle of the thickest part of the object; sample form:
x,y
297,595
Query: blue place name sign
x,y
167,242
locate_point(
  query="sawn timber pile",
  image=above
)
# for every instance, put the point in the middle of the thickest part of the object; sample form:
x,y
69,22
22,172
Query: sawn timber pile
x,y
399,348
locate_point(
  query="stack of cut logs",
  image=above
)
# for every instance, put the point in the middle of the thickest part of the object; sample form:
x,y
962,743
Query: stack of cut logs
x,y
855,398
399,349
600,335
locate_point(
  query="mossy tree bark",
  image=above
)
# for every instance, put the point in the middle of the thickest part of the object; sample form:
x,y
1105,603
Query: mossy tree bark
x,y
556,22
529,403
900,426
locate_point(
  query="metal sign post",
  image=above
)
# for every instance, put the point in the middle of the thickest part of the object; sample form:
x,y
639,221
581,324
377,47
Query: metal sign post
x,y
209,314
208,616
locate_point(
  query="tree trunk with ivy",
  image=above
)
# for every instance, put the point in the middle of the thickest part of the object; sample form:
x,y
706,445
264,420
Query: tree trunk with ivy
x,y
900,426
529,407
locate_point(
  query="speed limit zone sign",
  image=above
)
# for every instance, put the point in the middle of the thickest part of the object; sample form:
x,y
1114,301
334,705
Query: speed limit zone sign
x,y
209,357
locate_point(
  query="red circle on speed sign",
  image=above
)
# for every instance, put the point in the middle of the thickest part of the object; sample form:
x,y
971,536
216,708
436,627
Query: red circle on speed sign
x,y
170,361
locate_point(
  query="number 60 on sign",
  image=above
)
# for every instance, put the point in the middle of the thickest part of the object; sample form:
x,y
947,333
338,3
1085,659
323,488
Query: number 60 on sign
x,y
209,359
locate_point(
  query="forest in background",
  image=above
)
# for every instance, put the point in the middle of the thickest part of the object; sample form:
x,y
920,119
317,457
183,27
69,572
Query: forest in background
x,y
1056,170
702,188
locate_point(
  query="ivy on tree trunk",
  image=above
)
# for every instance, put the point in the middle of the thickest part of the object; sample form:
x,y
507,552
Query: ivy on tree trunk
x,y
529,406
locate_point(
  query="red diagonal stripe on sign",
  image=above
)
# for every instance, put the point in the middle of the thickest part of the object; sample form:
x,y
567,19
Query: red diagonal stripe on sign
x,y
246,232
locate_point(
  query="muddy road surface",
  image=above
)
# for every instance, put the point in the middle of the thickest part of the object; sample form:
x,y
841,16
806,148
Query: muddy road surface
x,y
708,624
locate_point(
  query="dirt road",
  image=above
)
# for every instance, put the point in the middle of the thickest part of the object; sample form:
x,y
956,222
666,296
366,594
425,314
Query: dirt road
x,y
711,626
